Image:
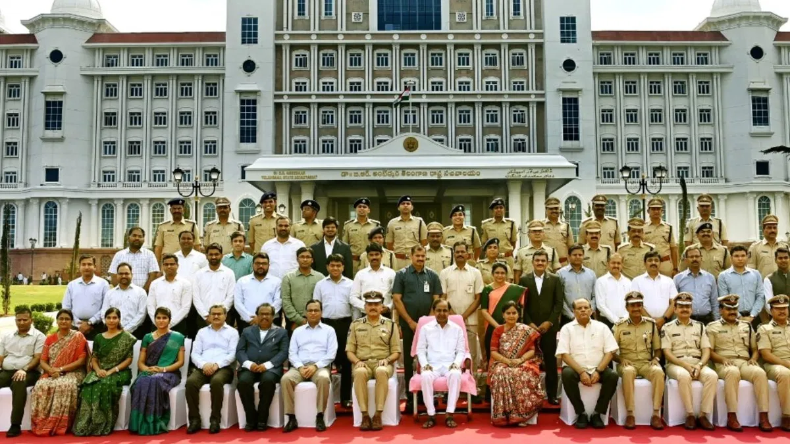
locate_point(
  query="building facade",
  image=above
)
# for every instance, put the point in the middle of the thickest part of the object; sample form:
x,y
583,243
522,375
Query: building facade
x,y
513,98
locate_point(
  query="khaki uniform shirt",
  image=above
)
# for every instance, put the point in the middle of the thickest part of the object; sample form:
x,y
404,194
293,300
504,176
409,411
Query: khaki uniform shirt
x,y
524,258
714,261
719,229
774,337
610,231
732,341
308,233
685,341
761,256
468,234
356,235
167,235
438,260
262,229
461,286
559,237
638,342
220,234
662,237
634,258
405,234
597,260
387,259
373,341
486,271
505,230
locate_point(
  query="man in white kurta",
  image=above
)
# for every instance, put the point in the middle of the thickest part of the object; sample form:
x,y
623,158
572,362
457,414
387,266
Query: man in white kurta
x,y
462,285
441,350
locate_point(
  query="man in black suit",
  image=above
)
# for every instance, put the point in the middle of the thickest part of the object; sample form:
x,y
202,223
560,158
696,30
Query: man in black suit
x,y
262,350
542,311
330,245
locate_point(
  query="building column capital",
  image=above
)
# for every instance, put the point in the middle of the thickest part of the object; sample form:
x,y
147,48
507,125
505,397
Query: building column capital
x,y
93,202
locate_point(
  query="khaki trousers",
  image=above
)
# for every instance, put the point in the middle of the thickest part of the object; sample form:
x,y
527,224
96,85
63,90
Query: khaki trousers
x,y
732,376
707,377
781,375
473,342
321,380
652,373
361,377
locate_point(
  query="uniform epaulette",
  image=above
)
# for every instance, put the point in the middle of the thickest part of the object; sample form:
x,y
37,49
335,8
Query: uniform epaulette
x,y
648,319
360,320
649,245
488,220
348,221
622,321
605,246
587,219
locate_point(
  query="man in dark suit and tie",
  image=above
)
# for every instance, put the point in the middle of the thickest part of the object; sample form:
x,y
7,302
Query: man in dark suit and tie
x,y
542,311
330,245
262,350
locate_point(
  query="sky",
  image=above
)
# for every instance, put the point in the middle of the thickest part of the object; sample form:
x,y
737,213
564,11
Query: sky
x,y
209,15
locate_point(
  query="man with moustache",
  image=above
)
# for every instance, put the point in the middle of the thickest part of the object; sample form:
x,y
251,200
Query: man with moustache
x,y
404,232
263,226
308,229
172,292
376,236
596,255
705,209
502,228
715,257
610,290
462,285
219,230
130,300
375,277
578,282
610,230
557,234
459,231
658,290
701,284
237,260
282,249
437,256
167,232
746,283
524,256
298,287
356,231
189,259
84,297
141,258
761,253
214,284
255,289
660,235
633,252
777,282
773,341
330,245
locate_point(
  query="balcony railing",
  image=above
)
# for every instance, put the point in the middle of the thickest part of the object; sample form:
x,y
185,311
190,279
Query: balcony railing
x,y
133,185
9,186
672,181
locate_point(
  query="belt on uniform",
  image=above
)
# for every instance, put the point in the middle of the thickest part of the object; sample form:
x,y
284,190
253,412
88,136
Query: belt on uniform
x,y
355,257
401,256
746,314
689,356
509,254
665,258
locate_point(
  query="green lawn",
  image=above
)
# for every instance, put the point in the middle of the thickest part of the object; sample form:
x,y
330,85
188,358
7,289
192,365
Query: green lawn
x,y
36,294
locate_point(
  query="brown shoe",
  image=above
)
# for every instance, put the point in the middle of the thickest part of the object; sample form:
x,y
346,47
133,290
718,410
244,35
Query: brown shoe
x,y
705,423
656,423
765,424
365,426
691,422
376,422
786,423
732,422
630,422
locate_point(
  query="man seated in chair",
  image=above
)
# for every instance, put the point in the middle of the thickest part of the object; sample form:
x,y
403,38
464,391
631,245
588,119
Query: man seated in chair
x,y
586,347
773,340
212,355
262,350
441,351
373,347
312,350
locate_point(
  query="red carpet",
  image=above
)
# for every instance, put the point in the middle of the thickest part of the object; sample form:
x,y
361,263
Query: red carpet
x,y
479,431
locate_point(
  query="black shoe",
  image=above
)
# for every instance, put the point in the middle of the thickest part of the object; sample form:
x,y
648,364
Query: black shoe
x,y
213,427
262,427
582,421
292,425
346,404
249,427
194,427
13,432
596,422
319,423
554,401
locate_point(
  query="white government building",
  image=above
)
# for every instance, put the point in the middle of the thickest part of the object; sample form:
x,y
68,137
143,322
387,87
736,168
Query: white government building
x,y
511,98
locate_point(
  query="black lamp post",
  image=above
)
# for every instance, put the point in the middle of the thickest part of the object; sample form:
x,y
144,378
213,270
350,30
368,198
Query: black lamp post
x,y
197,190
659,174
32,253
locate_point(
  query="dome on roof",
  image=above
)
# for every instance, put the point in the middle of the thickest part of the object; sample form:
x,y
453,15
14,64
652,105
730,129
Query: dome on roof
x,y
726,7
85,8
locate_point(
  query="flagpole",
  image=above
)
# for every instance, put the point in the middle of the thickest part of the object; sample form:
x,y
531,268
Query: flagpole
x,y
411,107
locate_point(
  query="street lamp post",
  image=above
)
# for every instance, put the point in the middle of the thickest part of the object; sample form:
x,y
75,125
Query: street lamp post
x,y
32,254
659,172
197,190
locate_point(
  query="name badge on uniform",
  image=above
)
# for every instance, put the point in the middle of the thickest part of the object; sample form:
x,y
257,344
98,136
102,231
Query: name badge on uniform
x,y
469,288
426,288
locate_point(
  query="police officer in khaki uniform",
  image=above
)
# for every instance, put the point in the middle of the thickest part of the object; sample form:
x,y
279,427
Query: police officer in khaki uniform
x,y
167,233
501,228
356,231
661,235
219,230
523,258
309,229
639,354
633,252
596,255
610,231
490,257
705,208
263,226
687,350
773,340
376,236
762,252
458,231
437,256
557,234
733,349
373,347
715,257
404,232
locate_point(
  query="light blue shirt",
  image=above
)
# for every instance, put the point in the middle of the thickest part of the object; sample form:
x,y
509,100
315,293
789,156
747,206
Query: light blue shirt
x,y
313,345
215,347
250,293
335,297
579,285
85,299
703,287
749,286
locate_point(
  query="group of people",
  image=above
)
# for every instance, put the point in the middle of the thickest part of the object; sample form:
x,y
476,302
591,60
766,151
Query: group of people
x,y
314,294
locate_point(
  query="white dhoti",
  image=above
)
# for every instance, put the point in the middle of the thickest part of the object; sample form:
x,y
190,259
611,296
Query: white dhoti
x,y
453,387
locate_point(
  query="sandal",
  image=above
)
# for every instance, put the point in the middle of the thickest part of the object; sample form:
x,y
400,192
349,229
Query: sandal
x,y
450,422
523,424
430,423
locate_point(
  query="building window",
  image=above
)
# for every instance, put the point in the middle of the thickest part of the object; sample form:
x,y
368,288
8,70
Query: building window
x,y
137,60
761,116
160,148
354,146
568,29
492,116
157,217
464,85
653,58
762,168
437,85
111,60
50,224
249,30
185,118
300,146
607,145
329,8
491,85
705,116
678,58
301,8
355,85
110,119
135,119
327,117
160,90
706,144
656,145
634,208
184,147
209,210
679,88
185,90
327,60
110,90
160,118
327,146
682,171
518,59
109,148
703,58
706,172
328,85
248,120
158,176
409,117
681,145
608,173
300,85
630,87
132,216
53,114
12,120
382,117
607,116
520,145
632,145
570,119
210,118
211,89
437,117
703,88
763,209
301,61
490,9
465,144
108,176
518,85
355,117
681,116
13,91
162,60
383,85
605,88
409,60
463,59
655,88
186,60
246,211
135,90
10,177
629,58
518,116
437,60
492,145
133,148
212,60
605,58
209,147
133,176
382,60
107,225
12,149
631,116
464,117
490,60
656,115
573,213
354,60
515,9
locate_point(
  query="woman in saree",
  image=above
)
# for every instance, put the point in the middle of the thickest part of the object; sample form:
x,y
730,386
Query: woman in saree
x,y
493,300
514,371
55,395
161,357
101,389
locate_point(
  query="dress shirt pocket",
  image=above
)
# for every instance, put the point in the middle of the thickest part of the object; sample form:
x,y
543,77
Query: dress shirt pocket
x,y
627,341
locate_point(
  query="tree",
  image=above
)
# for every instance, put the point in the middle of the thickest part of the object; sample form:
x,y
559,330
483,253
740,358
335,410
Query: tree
x,y
75,251
5,269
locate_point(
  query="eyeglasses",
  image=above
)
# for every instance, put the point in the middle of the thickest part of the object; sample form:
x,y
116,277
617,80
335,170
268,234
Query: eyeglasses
x,y
314,310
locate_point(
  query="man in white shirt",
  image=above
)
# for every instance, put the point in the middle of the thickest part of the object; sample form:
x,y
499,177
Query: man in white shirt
x,y
312,349
213,285
172,292
212,354
441,351
140,258
586,347
376,277
189,259
129,299
255,289
659,290
282,249
461,286
610,291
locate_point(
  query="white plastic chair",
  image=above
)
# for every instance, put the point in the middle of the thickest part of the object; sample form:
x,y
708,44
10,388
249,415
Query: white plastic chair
x,y
305,394
125,401
229,416
643,407
5,410
275,409
178,400
674,411
774,408
589,398
747,412
391,414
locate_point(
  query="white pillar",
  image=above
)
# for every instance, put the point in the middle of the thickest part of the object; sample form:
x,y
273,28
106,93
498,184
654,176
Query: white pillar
x,y
21,222
63,222
538,199
119,224
526,194
780,212
145,214
36,225
283,196
623,214
95,228
323,202
751,217
514,201
673,218
308,189
295,211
